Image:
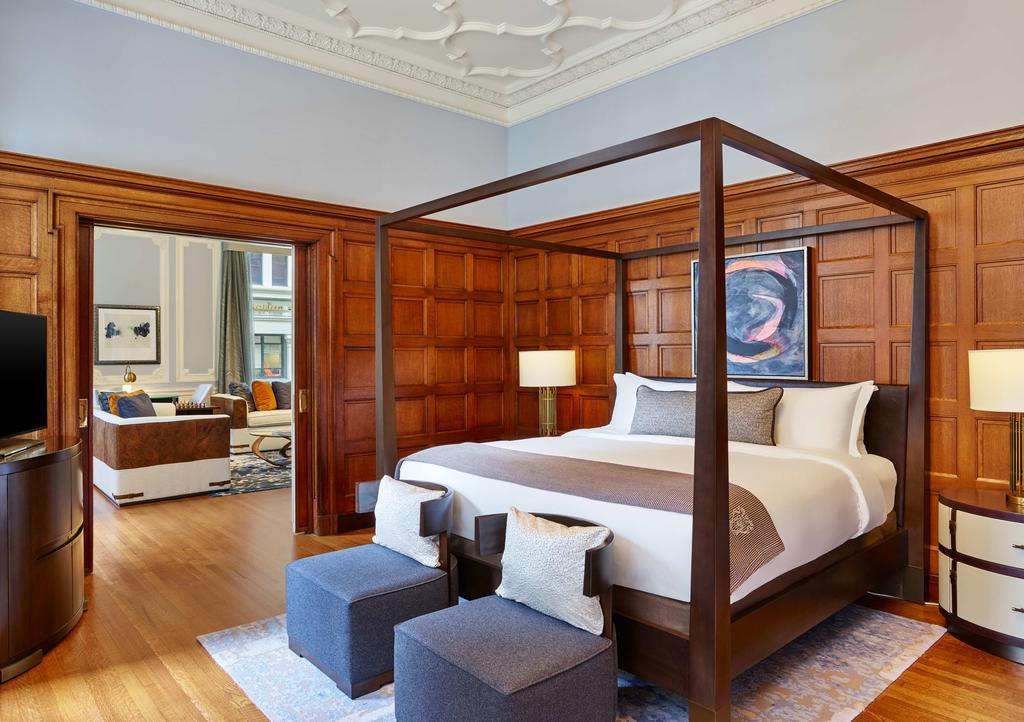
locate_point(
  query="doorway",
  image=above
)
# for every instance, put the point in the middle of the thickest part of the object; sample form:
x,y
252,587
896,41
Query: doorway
x,y
282,303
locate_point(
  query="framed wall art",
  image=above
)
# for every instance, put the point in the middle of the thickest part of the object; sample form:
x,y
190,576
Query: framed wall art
x,y
126,335
766,319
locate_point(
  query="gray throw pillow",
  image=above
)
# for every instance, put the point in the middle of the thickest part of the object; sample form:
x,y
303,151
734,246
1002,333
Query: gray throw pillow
x,y
282,393
674,413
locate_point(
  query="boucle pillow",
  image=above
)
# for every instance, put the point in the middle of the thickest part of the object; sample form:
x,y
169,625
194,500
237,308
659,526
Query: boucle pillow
x,y
398,521
542,567
674,413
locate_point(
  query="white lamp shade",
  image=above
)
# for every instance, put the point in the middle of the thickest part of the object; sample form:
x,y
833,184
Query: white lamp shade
x,y
997,379
547,368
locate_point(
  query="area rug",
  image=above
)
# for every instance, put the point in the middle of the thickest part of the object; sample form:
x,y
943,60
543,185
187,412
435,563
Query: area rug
x,y
251,473
832,672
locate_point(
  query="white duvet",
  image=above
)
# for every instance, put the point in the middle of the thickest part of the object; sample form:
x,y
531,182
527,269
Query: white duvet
x,y
818,500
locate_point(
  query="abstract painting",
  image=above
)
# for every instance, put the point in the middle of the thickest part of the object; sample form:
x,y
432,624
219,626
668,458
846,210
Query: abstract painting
x,y
765,314
126,334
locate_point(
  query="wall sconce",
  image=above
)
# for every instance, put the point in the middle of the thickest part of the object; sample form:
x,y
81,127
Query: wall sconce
x,y
129,379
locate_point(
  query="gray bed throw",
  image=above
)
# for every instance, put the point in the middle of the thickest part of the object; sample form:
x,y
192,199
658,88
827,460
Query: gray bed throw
x,y
754,540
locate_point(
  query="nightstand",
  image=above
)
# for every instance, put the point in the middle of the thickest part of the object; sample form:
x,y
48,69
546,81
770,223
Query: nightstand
x,y
981,570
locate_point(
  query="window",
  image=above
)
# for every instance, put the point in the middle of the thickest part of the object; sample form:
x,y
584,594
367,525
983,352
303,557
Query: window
x,y
279,270
270,356
255,269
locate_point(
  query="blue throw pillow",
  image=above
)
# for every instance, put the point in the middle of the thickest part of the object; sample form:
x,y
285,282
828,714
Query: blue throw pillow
x,y
103,399
134,407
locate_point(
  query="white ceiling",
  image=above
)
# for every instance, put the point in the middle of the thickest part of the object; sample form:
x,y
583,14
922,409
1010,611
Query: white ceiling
x,y
501,60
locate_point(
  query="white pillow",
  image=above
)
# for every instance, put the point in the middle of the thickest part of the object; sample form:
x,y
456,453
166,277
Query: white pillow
x,y
626,386
830,418
542,567
398,521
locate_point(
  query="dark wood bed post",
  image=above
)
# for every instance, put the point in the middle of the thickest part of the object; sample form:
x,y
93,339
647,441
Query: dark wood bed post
x,y
384,363
915,577
710,664
621,331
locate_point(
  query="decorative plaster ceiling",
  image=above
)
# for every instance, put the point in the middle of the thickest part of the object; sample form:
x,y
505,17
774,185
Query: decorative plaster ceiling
x,y
501,60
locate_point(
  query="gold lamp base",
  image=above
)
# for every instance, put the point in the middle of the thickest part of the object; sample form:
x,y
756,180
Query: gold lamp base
x,y
1016,493
548,411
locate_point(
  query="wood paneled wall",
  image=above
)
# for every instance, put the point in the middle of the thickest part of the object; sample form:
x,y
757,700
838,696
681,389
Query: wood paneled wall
x,y
451,363
860,289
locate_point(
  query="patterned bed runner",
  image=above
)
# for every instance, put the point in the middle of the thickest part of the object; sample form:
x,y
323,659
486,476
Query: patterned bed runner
x,y
754,540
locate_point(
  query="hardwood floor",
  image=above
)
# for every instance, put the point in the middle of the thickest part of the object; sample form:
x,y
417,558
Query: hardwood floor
x,y
170,571
165,573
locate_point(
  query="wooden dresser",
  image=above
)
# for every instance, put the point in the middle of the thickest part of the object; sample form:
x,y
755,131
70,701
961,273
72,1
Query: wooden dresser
x,y
42,589
981,570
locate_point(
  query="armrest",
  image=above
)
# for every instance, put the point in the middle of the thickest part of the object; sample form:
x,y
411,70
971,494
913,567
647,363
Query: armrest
x,y
233,406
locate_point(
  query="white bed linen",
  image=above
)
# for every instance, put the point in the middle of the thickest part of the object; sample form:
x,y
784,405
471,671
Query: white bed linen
x,y
818,501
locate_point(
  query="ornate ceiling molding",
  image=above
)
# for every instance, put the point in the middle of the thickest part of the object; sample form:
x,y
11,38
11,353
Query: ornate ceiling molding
x,y
504,94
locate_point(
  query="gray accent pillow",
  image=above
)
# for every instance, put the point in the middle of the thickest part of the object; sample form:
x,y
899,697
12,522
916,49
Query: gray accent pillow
x,y
674,413
283,393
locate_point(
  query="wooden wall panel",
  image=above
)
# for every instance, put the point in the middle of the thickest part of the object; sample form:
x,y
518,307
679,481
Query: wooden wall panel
x,y
28,275
449,334
860,304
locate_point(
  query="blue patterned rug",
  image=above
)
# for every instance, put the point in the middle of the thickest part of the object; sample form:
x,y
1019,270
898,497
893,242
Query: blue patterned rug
x,y
251,473
832,673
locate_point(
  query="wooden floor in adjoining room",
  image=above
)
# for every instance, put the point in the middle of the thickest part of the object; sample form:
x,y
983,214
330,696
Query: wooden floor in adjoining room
x,y
170,571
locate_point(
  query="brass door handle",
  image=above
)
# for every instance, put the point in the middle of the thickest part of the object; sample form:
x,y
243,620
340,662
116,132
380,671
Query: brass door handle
x,y
303,401
83,413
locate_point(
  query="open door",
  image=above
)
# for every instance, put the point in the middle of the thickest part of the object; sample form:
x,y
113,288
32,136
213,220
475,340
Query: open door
x,y
85,273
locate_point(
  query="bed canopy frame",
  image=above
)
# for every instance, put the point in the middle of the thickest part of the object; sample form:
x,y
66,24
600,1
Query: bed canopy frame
x,y
709,666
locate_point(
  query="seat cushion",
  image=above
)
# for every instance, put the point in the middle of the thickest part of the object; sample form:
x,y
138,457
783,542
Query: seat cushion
x,y
502,643
277,417
365,571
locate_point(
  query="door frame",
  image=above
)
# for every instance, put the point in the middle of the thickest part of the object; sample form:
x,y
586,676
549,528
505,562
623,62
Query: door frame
x,y
76,219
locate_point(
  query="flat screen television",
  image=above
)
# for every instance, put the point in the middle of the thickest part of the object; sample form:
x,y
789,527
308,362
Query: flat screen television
x,y
23,370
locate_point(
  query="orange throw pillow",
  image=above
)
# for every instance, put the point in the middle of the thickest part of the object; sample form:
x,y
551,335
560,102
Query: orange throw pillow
x,y
263,395
112,400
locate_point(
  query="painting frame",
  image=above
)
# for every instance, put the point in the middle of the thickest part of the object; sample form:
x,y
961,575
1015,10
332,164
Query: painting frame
x,y
107,353
803,252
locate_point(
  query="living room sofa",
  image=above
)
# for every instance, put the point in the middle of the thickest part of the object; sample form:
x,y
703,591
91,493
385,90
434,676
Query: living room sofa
x,y
158,457
244,421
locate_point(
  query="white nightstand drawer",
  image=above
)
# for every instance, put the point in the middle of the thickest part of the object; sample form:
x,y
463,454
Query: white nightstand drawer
x,y
990,539
988,600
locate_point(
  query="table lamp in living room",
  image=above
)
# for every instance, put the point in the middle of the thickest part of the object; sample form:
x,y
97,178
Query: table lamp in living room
x,y
547,370
997,384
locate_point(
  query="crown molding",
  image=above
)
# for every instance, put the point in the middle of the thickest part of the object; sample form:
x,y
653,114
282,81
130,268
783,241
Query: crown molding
x,y
709,24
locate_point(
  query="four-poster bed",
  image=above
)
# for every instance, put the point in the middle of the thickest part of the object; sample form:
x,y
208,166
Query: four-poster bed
x,y
696,646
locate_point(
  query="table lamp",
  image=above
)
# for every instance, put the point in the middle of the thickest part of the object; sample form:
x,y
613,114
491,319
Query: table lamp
x,y
997,384
547,370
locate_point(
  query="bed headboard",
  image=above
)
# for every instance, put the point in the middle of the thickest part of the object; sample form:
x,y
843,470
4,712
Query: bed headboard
x,y
885,424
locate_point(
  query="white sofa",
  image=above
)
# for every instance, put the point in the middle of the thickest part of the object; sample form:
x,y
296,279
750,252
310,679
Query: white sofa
x,y
157,457
244,422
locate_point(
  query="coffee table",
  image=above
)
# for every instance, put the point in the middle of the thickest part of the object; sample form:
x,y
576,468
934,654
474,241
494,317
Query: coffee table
x,y
285,451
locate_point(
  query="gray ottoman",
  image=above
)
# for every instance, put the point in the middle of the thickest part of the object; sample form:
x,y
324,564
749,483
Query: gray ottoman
x,y
498,660
343,607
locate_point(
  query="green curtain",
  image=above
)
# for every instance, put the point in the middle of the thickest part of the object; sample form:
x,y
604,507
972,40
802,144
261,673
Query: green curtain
x,y
235,340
